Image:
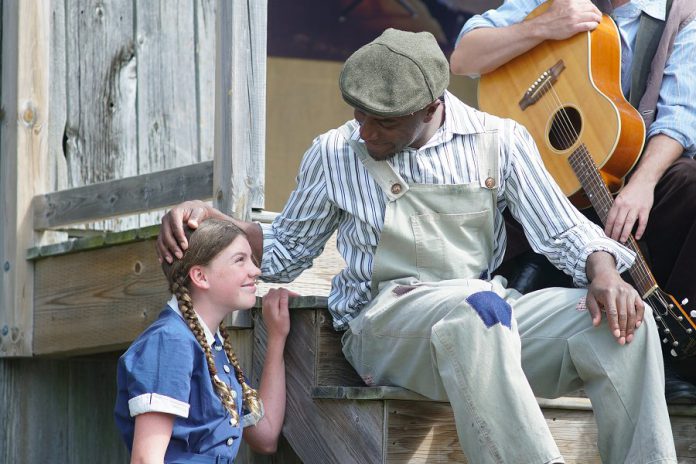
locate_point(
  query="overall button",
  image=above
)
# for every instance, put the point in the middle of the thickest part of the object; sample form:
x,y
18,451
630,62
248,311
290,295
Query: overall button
x,y
396,189
226,368
490,182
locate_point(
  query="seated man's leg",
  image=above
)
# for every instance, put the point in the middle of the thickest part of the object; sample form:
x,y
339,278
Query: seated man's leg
x,y
456,340
562,351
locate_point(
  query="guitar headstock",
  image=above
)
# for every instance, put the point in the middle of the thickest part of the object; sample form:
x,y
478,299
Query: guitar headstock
x,y
676,324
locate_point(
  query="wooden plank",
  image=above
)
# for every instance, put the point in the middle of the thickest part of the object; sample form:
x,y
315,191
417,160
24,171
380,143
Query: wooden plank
x,y
101,141
332,368
34,405
124,196
167,106
205,14
25,95
424,432
320,430
92,435
97,300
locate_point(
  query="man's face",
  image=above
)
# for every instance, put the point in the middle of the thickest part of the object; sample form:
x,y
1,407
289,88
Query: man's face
x,y
385,136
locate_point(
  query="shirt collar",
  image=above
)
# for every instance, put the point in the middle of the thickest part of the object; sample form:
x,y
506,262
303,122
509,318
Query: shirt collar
x,y
209,337
460,118
654,8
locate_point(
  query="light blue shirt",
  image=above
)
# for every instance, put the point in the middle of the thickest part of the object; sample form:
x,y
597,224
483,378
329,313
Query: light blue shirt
x,y
676,107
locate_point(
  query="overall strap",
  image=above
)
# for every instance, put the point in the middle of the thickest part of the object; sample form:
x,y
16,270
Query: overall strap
x,y
647,40
382,172
488,145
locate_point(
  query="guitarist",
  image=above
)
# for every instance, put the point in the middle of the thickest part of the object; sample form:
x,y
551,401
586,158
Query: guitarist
x,y
658,64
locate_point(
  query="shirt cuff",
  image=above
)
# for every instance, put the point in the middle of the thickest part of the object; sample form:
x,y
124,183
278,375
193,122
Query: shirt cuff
x,y
623,257
153,402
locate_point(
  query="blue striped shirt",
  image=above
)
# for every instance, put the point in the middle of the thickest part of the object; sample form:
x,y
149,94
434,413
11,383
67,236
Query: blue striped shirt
x,y
334,191
676,106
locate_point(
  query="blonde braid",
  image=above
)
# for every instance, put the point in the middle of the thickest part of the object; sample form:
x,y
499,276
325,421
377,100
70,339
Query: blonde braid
x,y
251,397
186,306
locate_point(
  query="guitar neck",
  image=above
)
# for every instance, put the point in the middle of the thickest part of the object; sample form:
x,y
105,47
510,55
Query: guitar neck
x,y
601,199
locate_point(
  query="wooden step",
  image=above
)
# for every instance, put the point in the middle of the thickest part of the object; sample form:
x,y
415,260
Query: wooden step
x,y
333,417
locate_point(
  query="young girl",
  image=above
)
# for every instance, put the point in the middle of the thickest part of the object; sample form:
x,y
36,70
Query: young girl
x,y
182,396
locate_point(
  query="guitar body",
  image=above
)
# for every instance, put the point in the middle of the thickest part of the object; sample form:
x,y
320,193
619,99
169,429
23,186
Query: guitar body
x,y
584,105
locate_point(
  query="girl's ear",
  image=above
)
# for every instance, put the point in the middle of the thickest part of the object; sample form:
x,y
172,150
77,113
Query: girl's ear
x,y
198,277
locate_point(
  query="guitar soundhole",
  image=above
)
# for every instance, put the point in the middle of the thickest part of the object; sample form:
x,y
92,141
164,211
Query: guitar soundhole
x,y
565,128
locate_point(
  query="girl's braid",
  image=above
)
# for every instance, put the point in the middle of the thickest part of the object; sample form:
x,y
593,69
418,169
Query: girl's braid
x,y
186,307
251,397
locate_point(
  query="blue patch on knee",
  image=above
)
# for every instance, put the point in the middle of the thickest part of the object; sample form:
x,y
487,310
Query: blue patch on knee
x,y
491,308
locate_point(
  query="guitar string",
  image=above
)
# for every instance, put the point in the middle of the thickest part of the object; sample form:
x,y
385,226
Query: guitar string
x,y
567,134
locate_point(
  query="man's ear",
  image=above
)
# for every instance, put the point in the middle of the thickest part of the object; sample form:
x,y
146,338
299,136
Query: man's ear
x,y
198,277
431,109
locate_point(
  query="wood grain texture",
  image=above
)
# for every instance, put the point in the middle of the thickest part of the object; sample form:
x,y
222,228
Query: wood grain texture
x,y
100,139
97,300
331,365
321,431
124,196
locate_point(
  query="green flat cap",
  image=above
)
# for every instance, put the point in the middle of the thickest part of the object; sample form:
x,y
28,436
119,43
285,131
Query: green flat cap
x,y
396,74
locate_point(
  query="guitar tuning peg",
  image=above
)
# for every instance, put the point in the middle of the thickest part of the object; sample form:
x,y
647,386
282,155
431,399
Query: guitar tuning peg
x,y
680,318
673,353
666,331
689,330
675,343
658,317
665,340
693,313
685,301
670,306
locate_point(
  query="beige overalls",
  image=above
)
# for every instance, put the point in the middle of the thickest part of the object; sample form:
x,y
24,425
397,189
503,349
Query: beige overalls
x,y
436,326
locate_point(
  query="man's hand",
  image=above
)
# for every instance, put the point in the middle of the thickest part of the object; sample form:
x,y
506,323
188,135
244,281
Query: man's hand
x,y
633,204
608,292
171,239
565,18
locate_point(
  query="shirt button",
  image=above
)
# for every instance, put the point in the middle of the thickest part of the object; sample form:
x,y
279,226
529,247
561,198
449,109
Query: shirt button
x,y
226,368
232,422
396,189
230,441
218,347
233,394
490,183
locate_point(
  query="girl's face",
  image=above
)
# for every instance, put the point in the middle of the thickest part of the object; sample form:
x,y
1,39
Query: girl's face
x,y
232,276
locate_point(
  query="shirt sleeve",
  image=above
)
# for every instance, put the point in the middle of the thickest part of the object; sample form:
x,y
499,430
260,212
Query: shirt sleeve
x,y
676,106
158,375
553,226
509,13
299,233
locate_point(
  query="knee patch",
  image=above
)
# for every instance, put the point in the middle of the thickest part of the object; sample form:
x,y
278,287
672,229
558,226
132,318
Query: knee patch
x,y
491,308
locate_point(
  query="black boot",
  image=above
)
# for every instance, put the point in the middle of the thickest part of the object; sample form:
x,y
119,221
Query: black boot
x,y
677,389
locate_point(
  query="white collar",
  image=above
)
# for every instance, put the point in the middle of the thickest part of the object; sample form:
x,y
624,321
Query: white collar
x,y
655,8
209,337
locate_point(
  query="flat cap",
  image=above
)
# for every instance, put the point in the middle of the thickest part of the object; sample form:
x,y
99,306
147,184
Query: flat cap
x,y
396,74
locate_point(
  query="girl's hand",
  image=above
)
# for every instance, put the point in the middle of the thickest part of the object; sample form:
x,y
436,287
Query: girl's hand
x,y
275,312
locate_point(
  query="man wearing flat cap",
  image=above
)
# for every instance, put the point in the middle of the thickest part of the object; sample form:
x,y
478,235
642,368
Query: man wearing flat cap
x,y
416,185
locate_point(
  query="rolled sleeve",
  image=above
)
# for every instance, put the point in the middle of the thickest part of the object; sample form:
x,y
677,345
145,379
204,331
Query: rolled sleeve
x,y
158,376
507,14
676,107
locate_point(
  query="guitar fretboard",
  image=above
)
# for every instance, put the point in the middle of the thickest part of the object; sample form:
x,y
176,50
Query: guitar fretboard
x,y
601,199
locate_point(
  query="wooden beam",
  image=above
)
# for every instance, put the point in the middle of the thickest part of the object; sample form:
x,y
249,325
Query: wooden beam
x,y
124,196
240,111
25,97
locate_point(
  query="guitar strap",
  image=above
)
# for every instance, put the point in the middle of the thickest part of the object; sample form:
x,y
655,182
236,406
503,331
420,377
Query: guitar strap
x,y
648,38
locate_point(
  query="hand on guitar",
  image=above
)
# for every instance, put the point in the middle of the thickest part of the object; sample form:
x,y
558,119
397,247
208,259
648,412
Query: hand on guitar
x,y
609,293
565,18
633,204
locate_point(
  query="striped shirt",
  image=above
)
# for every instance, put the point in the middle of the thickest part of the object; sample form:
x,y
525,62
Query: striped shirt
x,y
676,106
334,191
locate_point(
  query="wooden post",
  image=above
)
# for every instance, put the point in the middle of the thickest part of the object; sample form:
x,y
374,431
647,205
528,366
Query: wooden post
x,y
24,162
240,111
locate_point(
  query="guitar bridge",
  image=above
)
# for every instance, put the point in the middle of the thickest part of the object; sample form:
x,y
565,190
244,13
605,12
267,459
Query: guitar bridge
x,y
541,85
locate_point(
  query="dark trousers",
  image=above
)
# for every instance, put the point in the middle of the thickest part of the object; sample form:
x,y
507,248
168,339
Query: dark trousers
x,y
669,240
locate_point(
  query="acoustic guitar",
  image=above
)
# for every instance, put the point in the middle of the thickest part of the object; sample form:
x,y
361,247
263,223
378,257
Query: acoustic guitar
x,y
568,95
